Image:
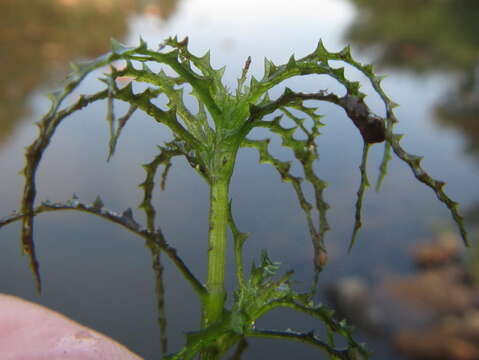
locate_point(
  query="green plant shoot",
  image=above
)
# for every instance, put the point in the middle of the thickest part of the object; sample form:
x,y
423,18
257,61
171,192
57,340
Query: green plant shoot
x,y
209,139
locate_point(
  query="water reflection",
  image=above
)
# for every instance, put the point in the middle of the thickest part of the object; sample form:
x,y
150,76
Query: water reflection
x,y
287,238
429,37
40,38
459,109
423,36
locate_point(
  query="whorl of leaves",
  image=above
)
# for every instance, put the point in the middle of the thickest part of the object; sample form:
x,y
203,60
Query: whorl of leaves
x,y
209,140
234,115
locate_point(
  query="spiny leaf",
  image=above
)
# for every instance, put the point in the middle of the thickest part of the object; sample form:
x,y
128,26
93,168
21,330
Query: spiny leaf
x,y
354,87
205,60
253,83
239,239
219,73
265,100
242,79
346,53
437,186
55,96
119,49
143,45
120,125
379,78
128,213
321,53
339,74
98,203
291,63
383,168
269,68
393,105
301,150
359,201
369,70
148,185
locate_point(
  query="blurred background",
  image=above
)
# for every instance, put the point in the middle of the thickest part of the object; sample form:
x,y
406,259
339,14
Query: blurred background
x,y
101,276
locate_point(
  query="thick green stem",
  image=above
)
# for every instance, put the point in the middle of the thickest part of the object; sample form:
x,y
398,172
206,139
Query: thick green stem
x,y
217,237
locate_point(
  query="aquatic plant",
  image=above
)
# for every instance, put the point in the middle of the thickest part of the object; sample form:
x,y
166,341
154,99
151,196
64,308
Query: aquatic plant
x,y
209,139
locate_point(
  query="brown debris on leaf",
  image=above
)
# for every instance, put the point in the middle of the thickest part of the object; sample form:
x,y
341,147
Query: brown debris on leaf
x,y
371,127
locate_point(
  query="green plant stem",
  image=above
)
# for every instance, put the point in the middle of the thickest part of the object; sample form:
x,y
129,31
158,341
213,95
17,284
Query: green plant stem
x,y
217,237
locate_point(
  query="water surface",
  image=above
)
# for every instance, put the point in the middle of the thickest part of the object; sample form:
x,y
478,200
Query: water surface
x,y
101,276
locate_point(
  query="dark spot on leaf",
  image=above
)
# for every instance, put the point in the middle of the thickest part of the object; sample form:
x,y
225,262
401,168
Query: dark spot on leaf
x,y
370,126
